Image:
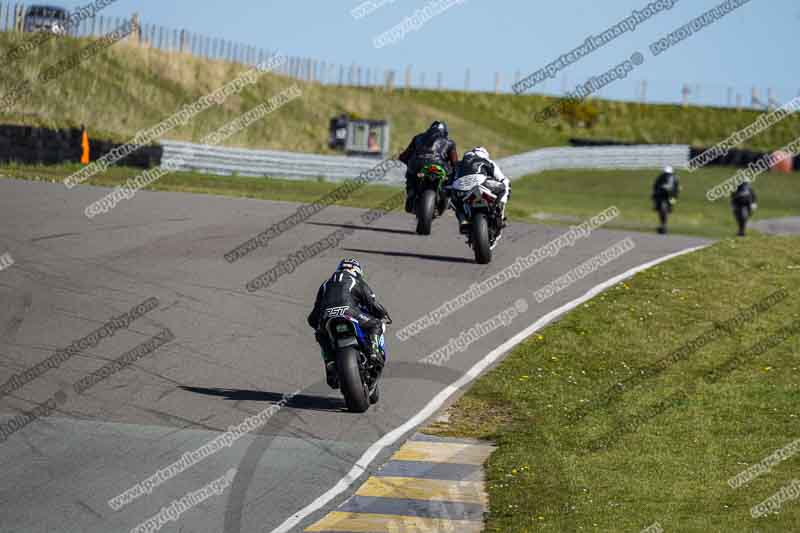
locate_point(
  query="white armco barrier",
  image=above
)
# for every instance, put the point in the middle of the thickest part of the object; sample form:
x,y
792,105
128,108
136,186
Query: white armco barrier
x,y
278,164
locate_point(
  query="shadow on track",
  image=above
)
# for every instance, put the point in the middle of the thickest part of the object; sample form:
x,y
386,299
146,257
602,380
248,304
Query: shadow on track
x,y
307,402
250,463
365,228
428,257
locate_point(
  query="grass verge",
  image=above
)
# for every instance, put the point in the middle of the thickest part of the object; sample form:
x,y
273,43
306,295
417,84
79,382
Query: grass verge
x,y
557,196
661,446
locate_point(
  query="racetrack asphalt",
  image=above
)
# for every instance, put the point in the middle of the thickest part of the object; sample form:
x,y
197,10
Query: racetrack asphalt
x,y
235,353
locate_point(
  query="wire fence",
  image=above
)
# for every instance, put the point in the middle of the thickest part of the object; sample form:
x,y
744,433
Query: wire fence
x,y
172,40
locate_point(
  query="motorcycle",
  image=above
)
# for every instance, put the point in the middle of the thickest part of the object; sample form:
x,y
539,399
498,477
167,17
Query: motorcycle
x,y
358,374
431,197
477,198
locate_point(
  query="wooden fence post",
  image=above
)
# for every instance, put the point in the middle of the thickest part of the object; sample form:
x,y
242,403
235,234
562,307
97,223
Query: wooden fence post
x,y
19,17
755,101
390,81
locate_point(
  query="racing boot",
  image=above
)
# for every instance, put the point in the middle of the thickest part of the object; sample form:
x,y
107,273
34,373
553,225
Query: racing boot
x,y
409,201
331,373
375,353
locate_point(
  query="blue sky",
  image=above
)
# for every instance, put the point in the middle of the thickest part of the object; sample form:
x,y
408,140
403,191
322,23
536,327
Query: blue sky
x,y
750,47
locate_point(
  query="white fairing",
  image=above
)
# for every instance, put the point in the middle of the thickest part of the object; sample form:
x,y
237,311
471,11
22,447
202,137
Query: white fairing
x,y
467,183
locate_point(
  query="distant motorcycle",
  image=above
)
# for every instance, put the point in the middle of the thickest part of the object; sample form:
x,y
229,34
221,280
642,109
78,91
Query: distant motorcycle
x,y
358,374
477,198
431,197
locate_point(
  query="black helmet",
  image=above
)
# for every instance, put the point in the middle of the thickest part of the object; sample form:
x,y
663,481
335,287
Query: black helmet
x,y
351,265
439,127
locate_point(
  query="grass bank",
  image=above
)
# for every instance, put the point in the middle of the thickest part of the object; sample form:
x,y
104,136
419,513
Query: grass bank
x,y
578,452
128,88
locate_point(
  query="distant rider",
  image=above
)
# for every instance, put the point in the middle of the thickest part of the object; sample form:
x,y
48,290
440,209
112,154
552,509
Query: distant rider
x,y
665,191
478,161
347,288
431,147
743,202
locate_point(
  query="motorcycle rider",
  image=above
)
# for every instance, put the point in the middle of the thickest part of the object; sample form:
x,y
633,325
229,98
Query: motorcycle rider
x,y
665,190
478,161
347,288
743,197
429,147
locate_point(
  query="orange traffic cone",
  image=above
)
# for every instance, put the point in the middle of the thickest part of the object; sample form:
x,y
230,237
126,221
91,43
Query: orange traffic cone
x,y
85,146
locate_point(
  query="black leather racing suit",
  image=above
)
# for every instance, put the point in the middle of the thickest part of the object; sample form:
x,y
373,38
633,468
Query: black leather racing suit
x,y
742,201
344,289
665,187
427,148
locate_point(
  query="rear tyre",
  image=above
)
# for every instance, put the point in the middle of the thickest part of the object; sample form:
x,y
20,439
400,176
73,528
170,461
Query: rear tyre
x,y
425,207
480,239
353,389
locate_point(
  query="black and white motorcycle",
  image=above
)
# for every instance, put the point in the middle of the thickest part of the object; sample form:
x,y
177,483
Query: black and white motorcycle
x,y
476,199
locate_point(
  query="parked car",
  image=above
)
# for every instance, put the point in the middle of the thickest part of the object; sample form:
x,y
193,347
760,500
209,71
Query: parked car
x,y
46,18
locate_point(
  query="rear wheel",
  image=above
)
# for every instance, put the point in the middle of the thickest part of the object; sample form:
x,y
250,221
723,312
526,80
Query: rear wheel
x,y
480,239
353,389
425,208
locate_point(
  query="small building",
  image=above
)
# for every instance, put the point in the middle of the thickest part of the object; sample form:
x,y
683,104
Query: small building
x,y
362,137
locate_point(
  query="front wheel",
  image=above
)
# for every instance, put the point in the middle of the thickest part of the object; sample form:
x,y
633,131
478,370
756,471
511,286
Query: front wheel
x,y
480,239
425,208
353,389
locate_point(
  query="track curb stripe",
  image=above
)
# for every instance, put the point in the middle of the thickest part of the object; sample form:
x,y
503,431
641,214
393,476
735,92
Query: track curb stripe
x,y
386,503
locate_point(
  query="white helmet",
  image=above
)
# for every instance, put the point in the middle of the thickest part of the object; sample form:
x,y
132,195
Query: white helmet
x,y
668,170
480,151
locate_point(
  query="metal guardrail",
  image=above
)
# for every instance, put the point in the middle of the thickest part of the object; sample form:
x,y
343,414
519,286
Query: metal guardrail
x,y
279,164
271,163
596,157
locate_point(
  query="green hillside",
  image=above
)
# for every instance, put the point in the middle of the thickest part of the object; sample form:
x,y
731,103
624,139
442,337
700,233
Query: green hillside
x,y
128,88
